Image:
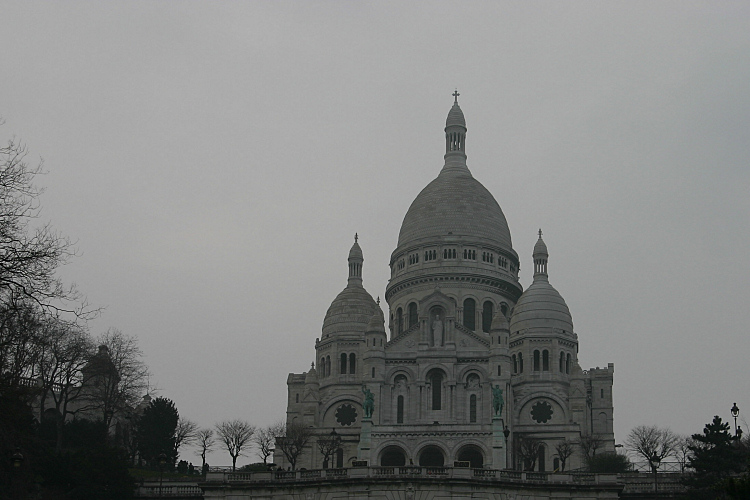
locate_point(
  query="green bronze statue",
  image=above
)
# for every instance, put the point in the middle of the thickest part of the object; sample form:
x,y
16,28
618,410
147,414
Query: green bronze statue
x,y
497,400
369,404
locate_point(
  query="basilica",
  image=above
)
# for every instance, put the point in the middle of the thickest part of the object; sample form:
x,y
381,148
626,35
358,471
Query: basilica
x,y
467,368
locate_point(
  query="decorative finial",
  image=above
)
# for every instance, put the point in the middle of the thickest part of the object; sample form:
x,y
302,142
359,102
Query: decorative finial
x,y
312,365
378,299
356,237
455,96
540,233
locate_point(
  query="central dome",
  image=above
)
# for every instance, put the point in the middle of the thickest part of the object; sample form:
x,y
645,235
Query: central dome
x,y
455,203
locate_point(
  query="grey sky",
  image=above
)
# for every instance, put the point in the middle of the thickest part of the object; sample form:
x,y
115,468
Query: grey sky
x,y
214,161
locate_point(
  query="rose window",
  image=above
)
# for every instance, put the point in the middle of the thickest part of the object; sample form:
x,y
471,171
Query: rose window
x,y
346,414
541,412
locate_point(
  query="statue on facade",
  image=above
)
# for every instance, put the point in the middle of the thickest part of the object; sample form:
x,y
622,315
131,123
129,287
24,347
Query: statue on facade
x,y
497,400
437,331
369,404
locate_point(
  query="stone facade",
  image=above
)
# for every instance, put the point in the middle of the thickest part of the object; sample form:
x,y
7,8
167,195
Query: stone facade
x,y
461,329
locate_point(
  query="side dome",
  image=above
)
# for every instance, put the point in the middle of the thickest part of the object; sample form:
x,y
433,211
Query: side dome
x,y
455,203
541,308
352,309
350,312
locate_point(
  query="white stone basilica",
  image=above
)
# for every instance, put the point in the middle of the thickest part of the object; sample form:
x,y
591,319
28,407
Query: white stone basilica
x,y
472,365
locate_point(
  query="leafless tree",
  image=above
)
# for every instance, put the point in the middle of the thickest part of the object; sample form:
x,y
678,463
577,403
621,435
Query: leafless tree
x,y
31,253
116,378
236,436
564,450
328,445
682,450
293,442
204,441
65,350
589,445
185,433
528,450
21,341
649,440
265,438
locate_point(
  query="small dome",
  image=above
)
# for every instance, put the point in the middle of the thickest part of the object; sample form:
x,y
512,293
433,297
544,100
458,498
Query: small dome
x,y
356,251
541,307
377,322
350,311
455,117
499,322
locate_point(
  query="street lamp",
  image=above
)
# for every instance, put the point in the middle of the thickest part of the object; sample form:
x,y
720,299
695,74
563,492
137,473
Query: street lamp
x,y
655,460
162,463
735,413
506,433
17,460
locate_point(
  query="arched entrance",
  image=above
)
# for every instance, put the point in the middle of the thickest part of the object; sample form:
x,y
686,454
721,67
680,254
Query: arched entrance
x,y
431,456
393,456
473,455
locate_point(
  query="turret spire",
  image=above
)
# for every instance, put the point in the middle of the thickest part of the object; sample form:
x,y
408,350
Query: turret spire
x,y
356,260
540,258
455,136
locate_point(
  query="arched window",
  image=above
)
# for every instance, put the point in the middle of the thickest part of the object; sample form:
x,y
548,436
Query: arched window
x,y
296,399
545,360
393,456
567,364
373,372
515,364
536,360
343,363
562,362
473,408
399,321
413,316
322,367
328,366
473,455
520,362
487,311
470,311
339,458
400,410
431,456
499,370
353,363
437,390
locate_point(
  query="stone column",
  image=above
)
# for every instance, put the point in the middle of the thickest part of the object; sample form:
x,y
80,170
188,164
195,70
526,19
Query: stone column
x,y
498,444
363,449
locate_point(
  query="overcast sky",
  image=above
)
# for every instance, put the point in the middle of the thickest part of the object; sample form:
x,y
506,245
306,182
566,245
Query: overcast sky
x,y
214,160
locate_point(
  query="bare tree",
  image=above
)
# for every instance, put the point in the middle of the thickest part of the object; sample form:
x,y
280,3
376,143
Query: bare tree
x,y
293,442
649,440
328,445
528,450
682,450
236,435
116,378
30,253
564,450
265,438
66,349
185,433
589,445
204,441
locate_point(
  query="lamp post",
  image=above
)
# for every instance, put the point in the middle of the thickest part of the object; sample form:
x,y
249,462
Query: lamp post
x,y
506,433
162,463
655,460
17,460
735,413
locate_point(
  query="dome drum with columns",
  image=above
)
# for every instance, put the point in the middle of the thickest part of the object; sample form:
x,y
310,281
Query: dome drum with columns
x,y
460,335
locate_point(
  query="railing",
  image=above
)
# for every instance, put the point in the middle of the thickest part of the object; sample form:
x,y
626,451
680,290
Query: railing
x,y
169,491
414,471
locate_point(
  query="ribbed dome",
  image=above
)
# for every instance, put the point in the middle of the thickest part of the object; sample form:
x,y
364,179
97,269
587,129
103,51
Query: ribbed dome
x,y
356,251
350,311
541,307
455,203
377,322
540,248
499,322
455,117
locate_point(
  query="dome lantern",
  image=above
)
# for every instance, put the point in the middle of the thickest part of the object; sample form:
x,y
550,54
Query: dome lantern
x,y
455,134
355,263
540,258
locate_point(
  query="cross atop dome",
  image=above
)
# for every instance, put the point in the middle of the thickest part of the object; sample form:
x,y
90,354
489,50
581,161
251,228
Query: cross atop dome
x,y
540,234
455,96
